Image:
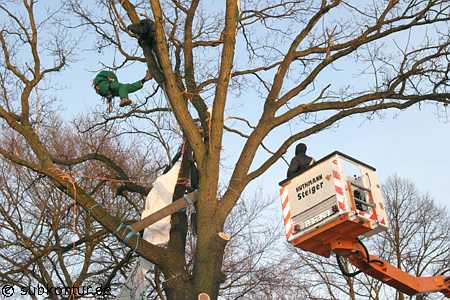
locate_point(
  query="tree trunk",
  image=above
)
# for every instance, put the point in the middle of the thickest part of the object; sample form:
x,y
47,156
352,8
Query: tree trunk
x,y
208,273
178,288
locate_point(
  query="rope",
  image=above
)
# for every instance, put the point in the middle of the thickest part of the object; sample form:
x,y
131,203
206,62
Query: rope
x,y
209,125
90,208
66,176
95,204
129,235
69,179
183,181
109,103
105,178
183,148
119,228
136,246
188,95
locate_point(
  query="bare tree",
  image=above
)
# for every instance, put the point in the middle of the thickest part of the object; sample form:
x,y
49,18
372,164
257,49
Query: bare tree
x,y
254,262
47,241
418,241
198,61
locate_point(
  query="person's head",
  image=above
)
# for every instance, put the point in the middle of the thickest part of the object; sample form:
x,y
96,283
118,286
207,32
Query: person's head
x,y
300,149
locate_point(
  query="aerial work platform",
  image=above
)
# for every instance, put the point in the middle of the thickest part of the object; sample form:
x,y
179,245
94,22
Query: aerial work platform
x,y
337,196
328,207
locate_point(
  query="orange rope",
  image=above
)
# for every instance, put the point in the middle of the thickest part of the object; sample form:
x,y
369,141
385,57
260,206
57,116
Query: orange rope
x,y
188,95
73,295
69,179
105,178
183,146
182,180
67,176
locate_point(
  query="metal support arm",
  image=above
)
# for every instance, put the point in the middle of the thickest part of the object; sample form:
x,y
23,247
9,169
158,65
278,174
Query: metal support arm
x,y
385,272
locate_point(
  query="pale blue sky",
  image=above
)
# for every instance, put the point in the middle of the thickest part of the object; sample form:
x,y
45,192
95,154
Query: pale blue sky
x,y
414,144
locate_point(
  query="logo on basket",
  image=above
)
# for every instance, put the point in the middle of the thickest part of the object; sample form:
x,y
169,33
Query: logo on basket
x,y
309,187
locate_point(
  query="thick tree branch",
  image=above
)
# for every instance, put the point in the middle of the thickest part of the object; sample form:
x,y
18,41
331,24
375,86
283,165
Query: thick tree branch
x,y
189,69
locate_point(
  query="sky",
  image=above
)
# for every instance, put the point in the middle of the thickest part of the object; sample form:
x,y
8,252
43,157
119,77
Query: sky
x,y
414,143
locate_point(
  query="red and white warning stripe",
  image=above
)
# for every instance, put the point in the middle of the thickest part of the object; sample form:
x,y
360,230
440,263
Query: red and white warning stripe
x,y
368,215
286,212
371,214
339,186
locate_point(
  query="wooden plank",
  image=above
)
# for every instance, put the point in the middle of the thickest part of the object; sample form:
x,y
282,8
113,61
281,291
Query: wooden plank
x,y
160,214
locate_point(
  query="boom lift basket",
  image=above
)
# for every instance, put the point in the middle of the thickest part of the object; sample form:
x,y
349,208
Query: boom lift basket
x,y
334,202
337,197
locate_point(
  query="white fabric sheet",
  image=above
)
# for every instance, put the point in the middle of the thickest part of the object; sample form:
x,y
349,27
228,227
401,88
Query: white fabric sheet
x,y
158,233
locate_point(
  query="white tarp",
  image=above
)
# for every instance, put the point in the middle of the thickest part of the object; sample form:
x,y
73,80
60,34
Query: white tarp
x,y
158,233
160,196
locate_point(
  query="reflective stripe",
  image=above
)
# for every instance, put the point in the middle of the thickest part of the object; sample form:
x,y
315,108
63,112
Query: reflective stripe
x,y
286,210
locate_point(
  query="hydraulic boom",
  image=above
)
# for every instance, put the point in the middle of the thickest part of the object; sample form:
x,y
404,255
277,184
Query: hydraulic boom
x,y
330,205
385,272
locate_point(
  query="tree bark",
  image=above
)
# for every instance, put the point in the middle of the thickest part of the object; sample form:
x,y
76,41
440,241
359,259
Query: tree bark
x,y
208,273
179,286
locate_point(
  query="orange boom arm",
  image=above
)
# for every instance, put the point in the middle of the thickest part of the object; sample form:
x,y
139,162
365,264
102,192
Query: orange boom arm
x,y
385,272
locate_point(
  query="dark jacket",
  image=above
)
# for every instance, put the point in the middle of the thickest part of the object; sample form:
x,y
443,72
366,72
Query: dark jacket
x,y
194,176
299,163
146,33
145,30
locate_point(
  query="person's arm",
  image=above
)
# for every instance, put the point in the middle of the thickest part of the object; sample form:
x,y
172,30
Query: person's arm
x,y
293,167
173,161
194,177
148,76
